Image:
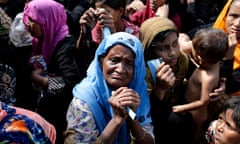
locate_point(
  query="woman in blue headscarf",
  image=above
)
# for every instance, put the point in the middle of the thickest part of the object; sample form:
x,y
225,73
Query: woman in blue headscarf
x,y
114,88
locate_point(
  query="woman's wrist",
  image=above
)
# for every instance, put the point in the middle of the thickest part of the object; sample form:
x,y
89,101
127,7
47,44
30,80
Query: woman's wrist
x,y
159,92
140,138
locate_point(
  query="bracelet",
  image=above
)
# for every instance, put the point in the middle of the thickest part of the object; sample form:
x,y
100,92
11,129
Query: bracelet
x,y
140,138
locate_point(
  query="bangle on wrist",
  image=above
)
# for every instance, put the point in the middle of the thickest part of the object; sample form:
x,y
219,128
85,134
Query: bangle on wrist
x,y
140,138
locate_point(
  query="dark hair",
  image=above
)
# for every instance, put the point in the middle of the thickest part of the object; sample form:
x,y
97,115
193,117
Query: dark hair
x,y
114,4
233,103
211,44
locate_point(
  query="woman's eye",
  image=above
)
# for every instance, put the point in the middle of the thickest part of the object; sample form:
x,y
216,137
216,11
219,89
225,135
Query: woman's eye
x,y
114,60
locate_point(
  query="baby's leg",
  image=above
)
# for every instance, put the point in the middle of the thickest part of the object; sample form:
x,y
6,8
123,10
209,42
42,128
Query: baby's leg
x,y
199,117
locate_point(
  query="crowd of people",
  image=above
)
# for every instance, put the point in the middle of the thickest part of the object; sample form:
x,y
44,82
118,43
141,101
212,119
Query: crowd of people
x,y
120,71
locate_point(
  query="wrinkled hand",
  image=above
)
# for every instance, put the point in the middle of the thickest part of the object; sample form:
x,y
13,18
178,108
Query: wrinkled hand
x,y
123,98
88,18
105,19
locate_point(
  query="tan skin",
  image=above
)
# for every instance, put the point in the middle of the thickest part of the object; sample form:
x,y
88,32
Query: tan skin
x,y
226,131
169,51
117,67
232,27
233,19
203,80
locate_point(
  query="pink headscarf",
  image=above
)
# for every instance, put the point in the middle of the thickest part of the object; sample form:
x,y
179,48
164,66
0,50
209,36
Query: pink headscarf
x,y
52,18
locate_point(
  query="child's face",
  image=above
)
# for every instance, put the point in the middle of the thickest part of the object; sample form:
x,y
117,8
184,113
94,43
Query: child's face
x,y
226,130
168,49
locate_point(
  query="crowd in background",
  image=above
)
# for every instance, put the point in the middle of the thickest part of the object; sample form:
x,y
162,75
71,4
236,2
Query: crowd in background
x,y
120,71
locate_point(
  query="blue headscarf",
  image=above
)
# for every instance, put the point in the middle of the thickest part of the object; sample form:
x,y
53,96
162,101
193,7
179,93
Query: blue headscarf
x,y
95,91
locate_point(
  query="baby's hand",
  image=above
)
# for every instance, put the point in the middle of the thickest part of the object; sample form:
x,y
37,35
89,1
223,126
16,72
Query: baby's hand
x,y
178,109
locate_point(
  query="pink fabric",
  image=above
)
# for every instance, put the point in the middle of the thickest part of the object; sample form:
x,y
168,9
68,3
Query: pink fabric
x,y
139,17
48,128
128,27
51,17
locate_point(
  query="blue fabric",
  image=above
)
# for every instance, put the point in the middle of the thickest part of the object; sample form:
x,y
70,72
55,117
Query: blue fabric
x,y
94,90
20,129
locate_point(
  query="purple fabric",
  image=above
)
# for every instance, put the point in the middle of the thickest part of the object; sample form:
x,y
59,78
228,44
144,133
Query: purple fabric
x,y
52,18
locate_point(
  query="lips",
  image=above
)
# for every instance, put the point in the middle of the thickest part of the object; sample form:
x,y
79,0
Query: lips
x,y
174,60
216,136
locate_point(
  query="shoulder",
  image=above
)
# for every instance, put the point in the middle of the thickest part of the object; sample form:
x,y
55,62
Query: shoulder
x,y
69,43
68,40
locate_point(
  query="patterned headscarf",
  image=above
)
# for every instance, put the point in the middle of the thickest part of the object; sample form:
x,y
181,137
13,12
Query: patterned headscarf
x,y
51,17
220,24
95,91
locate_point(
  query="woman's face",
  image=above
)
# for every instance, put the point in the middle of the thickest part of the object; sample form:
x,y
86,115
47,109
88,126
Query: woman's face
x,y
226,131
168,49
233,19
118,66
34,28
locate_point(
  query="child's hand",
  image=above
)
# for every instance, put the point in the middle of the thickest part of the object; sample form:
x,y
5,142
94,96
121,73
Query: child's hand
x,y
178,109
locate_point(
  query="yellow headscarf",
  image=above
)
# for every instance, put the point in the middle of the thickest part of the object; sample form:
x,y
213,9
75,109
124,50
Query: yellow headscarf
x,y
220,24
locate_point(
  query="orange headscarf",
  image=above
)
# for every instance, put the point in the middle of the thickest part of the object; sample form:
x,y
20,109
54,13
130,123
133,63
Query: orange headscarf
x,y
220,24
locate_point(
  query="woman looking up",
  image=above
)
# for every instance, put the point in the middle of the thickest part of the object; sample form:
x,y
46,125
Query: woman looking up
x,y
114,84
